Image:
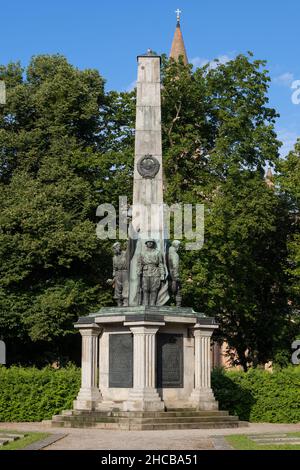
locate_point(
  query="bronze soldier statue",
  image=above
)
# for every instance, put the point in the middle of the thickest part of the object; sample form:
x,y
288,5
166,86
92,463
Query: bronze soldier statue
x,y
120,275
150,267
173,263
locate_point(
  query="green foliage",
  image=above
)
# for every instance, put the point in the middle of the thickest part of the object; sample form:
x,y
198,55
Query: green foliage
x,y
61,138
258,395
29,394
218,138
289,180
216,124
66,146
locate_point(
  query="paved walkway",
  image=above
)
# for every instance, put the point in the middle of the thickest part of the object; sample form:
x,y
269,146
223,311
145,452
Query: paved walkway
x,y
99,439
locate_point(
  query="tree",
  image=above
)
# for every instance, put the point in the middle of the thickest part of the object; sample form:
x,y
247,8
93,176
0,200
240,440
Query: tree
x,y
218,138
60,140
67,146
289,180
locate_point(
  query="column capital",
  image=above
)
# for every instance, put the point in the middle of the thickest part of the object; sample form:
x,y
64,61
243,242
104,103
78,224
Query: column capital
x,y
91,329
142,331
144,326
204,330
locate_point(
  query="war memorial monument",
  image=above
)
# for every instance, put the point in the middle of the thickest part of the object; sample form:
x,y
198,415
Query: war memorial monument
x,y
146,365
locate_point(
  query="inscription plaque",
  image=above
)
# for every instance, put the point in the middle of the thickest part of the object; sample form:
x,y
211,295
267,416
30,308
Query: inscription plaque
x,y
121,360
169,360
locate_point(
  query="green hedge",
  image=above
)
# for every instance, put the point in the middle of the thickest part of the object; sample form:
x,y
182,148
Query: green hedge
x,y
30,394
258,395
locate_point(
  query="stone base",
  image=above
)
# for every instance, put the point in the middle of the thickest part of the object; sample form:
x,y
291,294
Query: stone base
x,y
87,399
147,420
143,400
106,405
143,358
203,399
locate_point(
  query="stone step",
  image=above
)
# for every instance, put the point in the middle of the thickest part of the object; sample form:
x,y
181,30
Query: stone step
x,y
142,420
89,419
58,424
158,414
161,420
197,419
148,423
170,426
184,408
243,424
6,438
150,427
90,425
203,425
57,418
11,435
90,413
267,435
4,441
67,412
143,417
114,426
275,443
277,440
146,414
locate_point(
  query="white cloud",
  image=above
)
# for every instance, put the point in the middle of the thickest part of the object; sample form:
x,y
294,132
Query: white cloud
x,y
201,61
288,138
131,86
285,79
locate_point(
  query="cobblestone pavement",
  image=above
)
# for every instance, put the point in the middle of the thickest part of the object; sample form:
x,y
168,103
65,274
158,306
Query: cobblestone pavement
x,y
99,439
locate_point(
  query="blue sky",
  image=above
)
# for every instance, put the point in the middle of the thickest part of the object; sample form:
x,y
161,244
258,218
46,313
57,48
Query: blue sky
x,y
108,35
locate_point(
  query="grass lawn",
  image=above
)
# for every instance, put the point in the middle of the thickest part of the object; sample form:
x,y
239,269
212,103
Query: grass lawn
x,y
243,442
30,438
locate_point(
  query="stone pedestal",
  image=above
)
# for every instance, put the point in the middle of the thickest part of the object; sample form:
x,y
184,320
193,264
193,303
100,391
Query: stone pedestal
x,y
149,365
202,396
148,360
89,395
143,396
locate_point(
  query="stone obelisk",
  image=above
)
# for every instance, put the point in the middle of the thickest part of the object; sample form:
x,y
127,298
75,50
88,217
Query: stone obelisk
x,y
147,211
143,357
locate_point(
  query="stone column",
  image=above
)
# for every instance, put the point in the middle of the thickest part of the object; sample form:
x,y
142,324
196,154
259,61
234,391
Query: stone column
x,y
143,396
202,396
89,394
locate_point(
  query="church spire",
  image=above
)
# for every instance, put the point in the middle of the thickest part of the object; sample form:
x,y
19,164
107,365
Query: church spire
x,y
178,48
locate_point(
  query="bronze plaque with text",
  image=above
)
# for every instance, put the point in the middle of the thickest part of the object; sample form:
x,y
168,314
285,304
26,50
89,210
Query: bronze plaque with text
x,y
169,360
121,360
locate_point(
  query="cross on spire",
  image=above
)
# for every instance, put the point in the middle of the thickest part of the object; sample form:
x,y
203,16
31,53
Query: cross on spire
x,y
178,14
178,48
